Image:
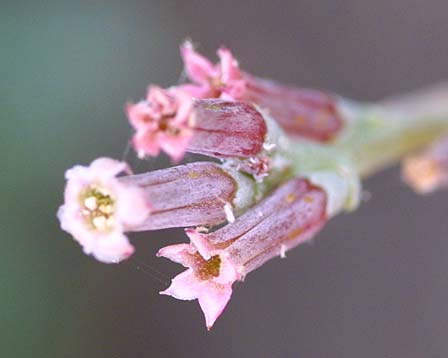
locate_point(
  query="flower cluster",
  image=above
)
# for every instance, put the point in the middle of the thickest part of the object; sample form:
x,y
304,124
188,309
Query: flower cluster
x,y
269,203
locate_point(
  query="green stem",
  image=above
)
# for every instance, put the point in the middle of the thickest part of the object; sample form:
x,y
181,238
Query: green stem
x,y
380,135
376,136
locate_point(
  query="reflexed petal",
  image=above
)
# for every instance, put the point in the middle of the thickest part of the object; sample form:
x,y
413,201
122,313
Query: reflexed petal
x,y
179,253
185,286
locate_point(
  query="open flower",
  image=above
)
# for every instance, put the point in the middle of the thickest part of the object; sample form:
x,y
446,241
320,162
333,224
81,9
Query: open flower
x,y
209,281
98,208
291,215
171,121
301,112
162,122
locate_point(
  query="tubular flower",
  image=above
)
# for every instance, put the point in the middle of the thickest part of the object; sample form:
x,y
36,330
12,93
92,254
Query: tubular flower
x,y
301,112
218,128
98,208
291,215
428,171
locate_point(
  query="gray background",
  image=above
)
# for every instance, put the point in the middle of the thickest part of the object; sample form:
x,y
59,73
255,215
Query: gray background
x,y
373,284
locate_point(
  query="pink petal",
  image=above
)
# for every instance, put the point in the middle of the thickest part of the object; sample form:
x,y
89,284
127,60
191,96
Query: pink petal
x,y
200,242
179,253
199,69
112,248
146,142
213,300
176,146
159,97
109,167
229,66
185,286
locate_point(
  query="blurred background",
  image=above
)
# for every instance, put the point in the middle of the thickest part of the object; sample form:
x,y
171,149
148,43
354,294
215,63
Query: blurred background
x,y
373,284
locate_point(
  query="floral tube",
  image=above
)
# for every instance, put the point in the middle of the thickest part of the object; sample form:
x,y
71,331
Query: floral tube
x,y
191,194
291,215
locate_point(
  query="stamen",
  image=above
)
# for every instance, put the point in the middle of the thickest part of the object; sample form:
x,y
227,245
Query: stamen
x,y
209,269
98,208
90,203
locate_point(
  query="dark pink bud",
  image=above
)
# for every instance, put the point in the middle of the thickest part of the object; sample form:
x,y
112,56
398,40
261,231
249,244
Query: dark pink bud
x,y
227,129
300,112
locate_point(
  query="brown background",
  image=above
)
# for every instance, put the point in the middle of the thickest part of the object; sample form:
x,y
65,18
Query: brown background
x,y
373,284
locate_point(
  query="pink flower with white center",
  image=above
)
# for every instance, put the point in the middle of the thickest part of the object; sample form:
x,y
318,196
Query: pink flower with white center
x,y
214,127
209,281
162,122
292,214
302,112
98,208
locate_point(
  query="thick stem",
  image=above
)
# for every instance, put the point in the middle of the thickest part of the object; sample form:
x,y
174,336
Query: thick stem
x,y
383,133
375,136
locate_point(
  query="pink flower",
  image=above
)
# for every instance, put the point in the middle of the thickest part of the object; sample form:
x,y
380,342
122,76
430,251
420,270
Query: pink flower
x,y
292,214
209,281
214,127
162,122
98,208
301,112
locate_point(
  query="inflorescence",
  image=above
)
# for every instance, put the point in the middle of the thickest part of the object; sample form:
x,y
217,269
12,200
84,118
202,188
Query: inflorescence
x,y
282,170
